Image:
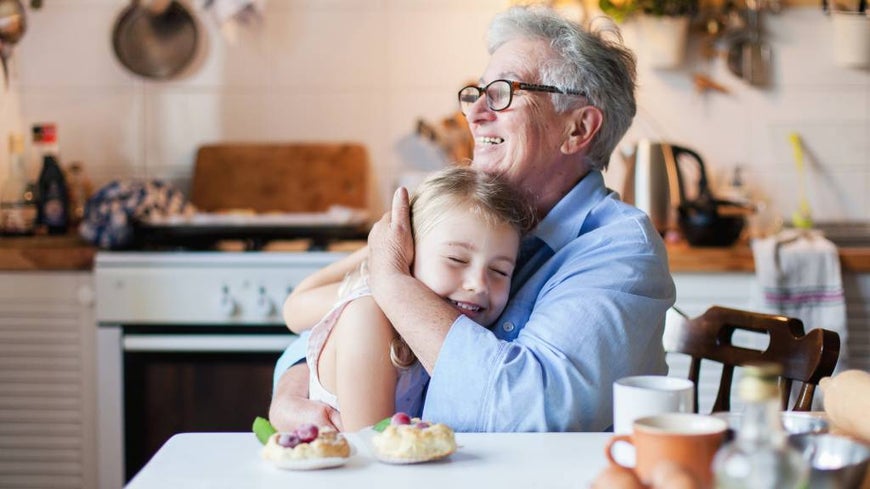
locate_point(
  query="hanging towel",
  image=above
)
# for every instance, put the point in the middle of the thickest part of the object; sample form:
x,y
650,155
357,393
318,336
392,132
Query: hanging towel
x,y
798,273
231,14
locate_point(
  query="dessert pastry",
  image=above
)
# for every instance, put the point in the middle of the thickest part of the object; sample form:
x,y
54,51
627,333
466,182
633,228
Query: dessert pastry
x,y
307,447
412,440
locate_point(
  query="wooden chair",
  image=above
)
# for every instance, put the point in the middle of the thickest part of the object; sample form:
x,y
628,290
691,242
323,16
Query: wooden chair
x,y
805,358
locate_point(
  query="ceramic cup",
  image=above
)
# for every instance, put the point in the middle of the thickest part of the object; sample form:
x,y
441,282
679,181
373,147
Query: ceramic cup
x,y
688,440
645,395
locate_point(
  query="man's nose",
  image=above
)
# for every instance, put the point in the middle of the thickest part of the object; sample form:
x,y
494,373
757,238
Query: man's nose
x,y
479,110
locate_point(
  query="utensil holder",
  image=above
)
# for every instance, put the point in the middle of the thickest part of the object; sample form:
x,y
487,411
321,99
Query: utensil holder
x,y
851,39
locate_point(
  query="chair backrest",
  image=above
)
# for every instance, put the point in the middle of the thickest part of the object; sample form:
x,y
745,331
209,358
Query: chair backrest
x,y
805,358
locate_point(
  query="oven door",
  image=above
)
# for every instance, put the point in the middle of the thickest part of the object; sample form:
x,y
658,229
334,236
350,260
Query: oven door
x,y
176,379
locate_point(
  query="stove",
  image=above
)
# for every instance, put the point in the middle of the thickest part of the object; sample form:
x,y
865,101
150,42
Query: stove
x,y
188,335
187,341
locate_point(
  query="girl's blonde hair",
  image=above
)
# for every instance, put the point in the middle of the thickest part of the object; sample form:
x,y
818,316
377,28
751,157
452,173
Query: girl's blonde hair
x,y
485,195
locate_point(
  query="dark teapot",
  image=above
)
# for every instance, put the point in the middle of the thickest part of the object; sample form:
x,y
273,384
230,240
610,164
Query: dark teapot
x,y
706,220
703,224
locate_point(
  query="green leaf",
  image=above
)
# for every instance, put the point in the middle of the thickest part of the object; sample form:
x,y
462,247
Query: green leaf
x,y
381,425
263,429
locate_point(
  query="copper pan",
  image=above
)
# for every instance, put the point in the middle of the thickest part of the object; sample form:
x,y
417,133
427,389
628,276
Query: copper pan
x,y
155,39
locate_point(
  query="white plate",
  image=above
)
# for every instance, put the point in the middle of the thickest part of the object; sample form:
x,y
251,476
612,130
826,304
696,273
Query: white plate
x,y
310,463
408,461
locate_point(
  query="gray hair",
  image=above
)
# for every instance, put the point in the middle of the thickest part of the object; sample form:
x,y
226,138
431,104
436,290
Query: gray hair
x,y
590,61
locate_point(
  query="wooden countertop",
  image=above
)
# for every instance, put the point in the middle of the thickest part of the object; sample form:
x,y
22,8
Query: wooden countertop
x,y
738,258
35,253
71,253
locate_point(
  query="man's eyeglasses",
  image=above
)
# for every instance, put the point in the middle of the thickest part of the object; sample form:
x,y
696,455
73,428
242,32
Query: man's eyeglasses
x,y
500,93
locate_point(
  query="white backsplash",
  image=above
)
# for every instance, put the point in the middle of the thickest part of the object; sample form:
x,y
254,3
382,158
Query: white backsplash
x,y
367,70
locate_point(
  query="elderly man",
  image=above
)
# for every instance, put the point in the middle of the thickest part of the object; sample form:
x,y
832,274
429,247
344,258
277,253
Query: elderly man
x,y
592,284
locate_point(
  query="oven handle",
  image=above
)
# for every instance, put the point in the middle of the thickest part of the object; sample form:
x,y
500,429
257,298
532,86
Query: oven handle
x,y
206,343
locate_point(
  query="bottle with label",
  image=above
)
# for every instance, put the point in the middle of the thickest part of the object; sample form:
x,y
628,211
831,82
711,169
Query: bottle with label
x,y
760,457
53,195
17,207
80,189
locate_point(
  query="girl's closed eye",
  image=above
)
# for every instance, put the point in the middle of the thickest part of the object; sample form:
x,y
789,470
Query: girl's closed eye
x,y
504,272
457,259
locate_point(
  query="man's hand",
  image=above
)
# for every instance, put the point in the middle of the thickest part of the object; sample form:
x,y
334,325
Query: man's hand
x,y
391,243
291,407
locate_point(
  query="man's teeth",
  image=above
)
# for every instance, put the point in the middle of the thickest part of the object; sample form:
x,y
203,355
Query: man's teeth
x,y
466,306
489,140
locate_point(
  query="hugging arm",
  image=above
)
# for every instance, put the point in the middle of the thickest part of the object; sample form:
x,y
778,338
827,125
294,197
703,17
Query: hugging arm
x,y
317,293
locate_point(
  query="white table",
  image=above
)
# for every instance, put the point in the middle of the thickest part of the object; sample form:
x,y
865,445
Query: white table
x,y
497,460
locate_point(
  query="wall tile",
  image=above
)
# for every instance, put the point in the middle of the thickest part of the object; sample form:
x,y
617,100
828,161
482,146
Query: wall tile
x,y
368,69
70,44
100,127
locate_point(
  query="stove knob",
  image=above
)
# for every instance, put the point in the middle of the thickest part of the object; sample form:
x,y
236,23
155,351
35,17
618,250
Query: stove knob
x,y
227,304
265,307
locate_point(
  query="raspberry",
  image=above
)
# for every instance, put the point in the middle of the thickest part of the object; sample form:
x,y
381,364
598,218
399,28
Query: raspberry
x,y
288,440
400,418
307,433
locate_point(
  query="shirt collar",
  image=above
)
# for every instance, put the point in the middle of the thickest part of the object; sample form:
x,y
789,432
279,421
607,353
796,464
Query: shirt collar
x,y
563,222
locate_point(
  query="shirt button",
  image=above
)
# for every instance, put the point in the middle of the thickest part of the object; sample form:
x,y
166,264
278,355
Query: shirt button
x,y
508,327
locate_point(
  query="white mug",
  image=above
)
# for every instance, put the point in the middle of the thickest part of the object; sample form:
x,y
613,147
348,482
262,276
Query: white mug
x,y
646,395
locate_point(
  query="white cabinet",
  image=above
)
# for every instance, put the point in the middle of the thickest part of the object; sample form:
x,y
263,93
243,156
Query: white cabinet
x,y
47,377
698,291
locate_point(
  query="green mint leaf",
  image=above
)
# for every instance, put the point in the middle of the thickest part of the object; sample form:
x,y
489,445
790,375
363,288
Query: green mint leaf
x,y
381,425
263,429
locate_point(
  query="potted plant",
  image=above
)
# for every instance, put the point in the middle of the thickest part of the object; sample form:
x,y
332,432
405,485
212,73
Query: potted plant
x,y
662,26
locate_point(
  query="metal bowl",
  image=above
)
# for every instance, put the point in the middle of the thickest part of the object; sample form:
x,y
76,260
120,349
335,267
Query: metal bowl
x,y
795,423
836,462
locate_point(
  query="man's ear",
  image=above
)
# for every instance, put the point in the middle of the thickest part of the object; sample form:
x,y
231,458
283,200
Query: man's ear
x,y
583,123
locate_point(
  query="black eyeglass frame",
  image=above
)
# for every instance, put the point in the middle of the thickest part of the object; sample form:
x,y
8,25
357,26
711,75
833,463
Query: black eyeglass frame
x,y
514,86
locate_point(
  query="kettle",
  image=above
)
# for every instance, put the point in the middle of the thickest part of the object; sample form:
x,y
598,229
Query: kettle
x,y
657,183
654,182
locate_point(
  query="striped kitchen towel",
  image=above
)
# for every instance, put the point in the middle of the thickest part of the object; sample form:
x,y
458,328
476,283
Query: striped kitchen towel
x,y
798,273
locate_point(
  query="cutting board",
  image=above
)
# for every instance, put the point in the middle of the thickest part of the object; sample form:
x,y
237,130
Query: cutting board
x,y
280,177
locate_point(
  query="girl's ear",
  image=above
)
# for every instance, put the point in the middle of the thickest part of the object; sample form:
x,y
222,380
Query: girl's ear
x,y
582,123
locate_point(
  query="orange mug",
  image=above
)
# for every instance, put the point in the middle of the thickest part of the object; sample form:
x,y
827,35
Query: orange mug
x,y
688,440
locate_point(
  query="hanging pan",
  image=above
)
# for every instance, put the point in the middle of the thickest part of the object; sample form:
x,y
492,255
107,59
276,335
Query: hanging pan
x,y
155,38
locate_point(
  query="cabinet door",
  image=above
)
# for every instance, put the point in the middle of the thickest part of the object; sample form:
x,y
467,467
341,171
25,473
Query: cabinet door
x,y
47,418
857,288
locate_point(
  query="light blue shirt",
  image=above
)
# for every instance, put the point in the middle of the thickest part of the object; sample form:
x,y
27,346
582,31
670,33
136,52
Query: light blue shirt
x,y
589,309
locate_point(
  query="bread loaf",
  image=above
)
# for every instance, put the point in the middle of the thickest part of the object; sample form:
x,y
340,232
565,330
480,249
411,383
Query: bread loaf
x,y
847,402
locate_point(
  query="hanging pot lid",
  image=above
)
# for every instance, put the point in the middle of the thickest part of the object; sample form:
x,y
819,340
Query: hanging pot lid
x,y
156,41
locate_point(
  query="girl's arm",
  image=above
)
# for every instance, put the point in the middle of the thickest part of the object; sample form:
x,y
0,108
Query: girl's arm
x,y
313,297
365,379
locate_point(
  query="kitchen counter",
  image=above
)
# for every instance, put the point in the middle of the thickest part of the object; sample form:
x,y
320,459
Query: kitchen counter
x,y
71,253
33,253
738,258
